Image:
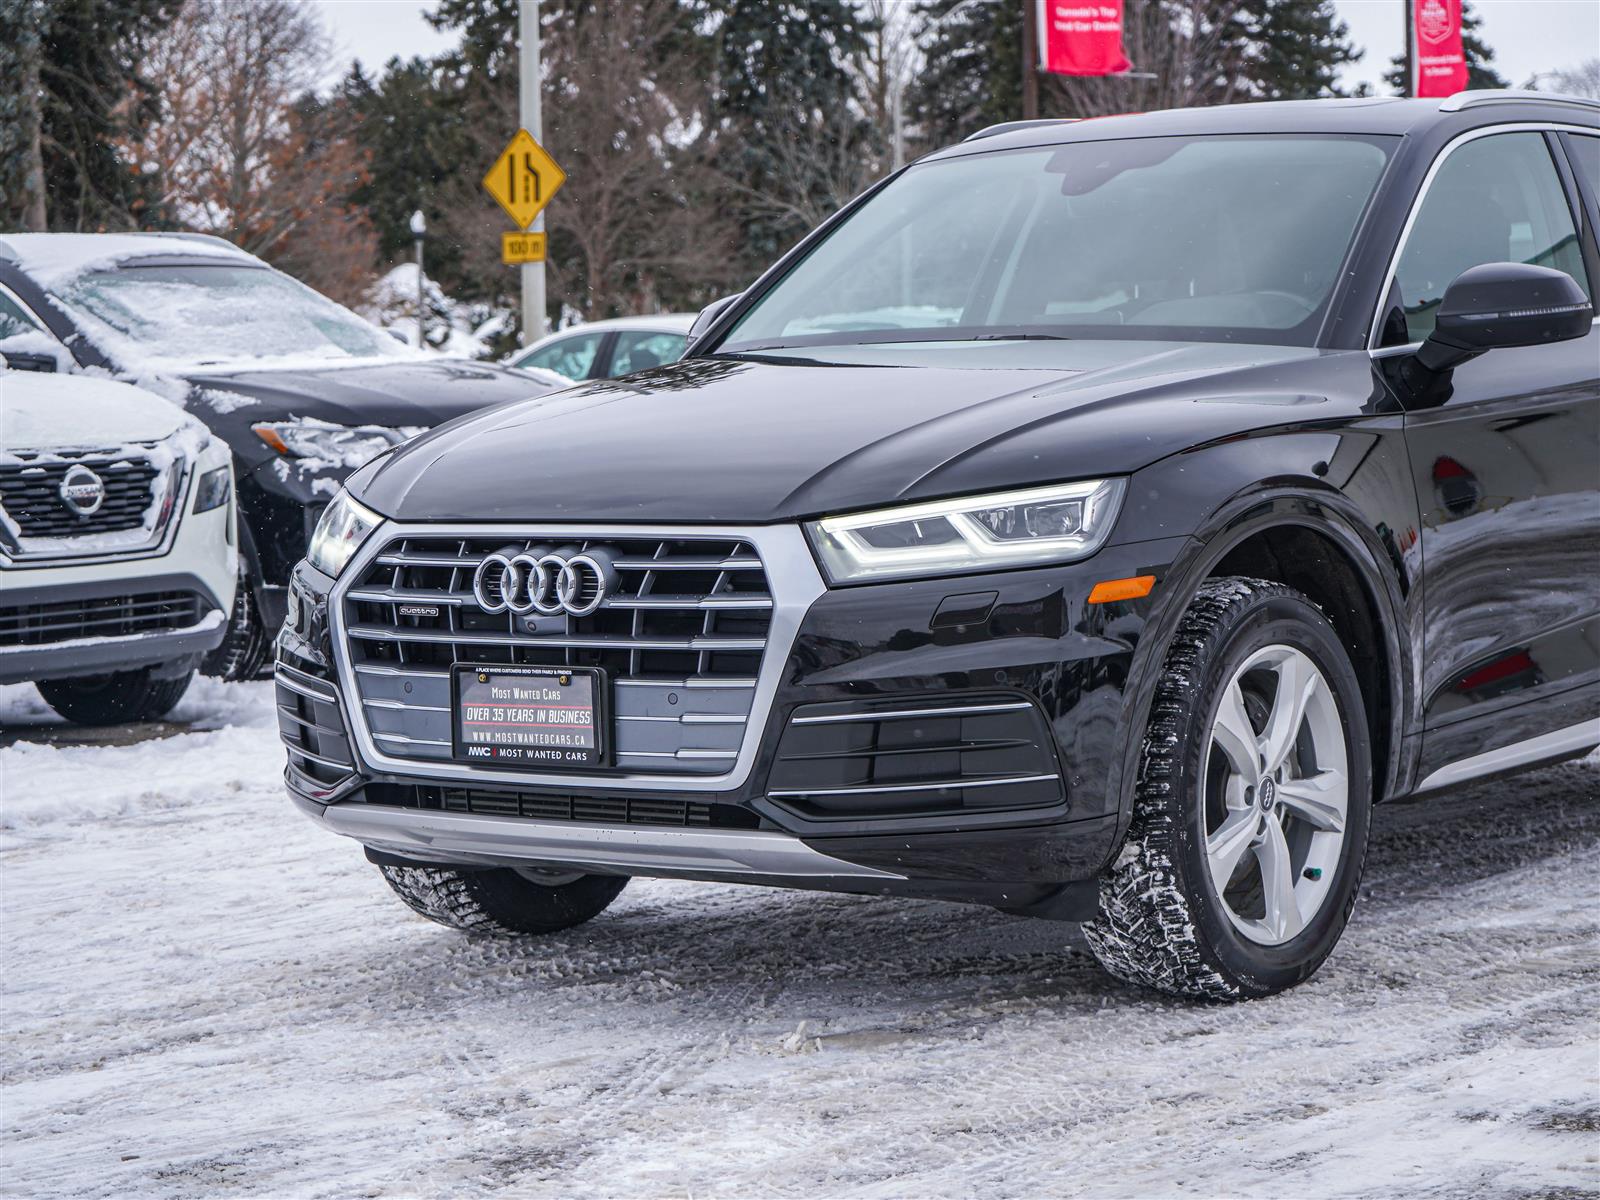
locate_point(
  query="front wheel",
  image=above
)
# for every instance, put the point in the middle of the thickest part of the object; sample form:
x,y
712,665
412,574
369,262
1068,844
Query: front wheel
x,y
503,900
115,698
244,648
1251,808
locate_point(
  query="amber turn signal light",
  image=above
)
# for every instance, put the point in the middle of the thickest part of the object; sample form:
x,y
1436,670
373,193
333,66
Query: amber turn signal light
x,y
269,435
1133,588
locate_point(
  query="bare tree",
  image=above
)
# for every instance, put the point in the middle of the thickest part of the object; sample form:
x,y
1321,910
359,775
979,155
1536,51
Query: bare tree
x,y
1581,80
815,167
886,69
243,149
625,117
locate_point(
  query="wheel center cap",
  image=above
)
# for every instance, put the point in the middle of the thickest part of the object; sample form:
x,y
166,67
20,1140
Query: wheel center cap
x,y
1268,795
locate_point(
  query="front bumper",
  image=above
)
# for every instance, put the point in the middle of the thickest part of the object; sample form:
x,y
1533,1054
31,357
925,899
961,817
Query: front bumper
x,y
67,618
1020,640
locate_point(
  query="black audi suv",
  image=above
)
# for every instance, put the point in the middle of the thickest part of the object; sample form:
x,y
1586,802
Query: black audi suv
x,y
301,389
1092,520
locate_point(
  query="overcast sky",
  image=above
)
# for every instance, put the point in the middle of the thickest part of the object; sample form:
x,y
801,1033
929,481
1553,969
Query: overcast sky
x,y
1528,36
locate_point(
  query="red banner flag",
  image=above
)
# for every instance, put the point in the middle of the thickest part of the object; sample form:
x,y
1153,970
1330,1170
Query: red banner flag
x,y
1441,64
1081,39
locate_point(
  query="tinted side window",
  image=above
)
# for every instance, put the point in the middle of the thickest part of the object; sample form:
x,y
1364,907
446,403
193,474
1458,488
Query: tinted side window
x,y
571,356
636,351
1496,199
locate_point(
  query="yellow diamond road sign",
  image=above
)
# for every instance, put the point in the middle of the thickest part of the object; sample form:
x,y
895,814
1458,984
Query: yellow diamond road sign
x,y
523,179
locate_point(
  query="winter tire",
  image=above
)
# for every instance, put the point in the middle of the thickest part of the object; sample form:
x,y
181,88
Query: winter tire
x,y
503,901
243,650
116,698
1251,805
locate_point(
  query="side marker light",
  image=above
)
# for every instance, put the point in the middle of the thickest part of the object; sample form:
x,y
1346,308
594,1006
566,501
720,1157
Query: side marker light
x,y
1109,590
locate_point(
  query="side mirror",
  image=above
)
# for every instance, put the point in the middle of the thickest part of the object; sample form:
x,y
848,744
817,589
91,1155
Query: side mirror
x,y
708,316
1499,305
18,360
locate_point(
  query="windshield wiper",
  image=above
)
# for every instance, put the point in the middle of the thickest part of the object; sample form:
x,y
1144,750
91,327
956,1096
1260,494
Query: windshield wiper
x,y
1019,337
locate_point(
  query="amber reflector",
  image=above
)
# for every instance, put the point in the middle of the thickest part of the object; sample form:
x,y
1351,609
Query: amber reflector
x,y
1108,590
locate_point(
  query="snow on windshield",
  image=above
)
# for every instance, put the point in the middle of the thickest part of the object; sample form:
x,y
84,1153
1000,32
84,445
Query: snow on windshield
x,y
221,315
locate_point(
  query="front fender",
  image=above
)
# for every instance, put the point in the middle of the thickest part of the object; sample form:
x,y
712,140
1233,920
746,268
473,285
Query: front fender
x,y
1351,486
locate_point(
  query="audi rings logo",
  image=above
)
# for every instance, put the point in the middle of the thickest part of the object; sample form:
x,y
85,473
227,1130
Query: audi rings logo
x,y
547,584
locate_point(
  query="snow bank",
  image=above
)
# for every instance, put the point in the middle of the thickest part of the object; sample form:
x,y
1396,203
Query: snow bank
x,y
48,786
455,329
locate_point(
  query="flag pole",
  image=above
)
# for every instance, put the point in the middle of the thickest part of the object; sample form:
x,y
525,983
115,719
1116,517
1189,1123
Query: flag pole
x,y
533,304
1409,86
1030,62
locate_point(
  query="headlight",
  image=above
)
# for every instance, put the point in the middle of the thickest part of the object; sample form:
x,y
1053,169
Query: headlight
x,y
212,490
979,533
321,445
344,525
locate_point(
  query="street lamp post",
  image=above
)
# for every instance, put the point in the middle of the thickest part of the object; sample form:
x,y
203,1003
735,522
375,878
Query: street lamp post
x,y
899,159
419,231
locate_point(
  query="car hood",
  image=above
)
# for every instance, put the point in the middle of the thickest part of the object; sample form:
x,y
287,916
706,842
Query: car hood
x,y
417,392
424,392
796,434
42,412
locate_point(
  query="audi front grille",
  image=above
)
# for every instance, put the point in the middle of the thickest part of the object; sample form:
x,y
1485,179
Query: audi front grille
x,y
681,635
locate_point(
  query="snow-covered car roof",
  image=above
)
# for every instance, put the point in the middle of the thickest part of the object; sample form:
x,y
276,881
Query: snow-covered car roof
x,y
52,258
41,412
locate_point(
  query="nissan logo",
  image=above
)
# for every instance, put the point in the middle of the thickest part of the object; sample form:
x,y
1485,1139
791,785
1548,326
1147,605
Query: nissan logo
x,y
547,584
82,490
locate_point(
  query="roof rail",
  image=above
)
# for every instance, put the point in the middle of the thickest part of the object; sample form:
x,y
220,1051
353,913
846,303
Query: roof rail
x,y
1481,96
1013,126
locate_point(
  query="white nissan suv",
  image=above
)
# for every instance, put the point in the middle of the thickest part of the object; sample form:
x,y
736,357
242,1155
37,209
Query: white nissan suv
x,y
118,550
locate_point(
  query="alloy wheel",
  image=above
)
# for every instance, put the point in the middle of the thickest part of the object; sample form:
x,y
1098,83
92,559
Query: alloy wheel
x,y
1276,794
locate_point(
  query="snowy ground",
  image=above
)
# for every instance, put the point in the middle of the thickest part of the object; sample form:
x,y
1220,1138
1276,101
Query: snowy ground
x,y
202,994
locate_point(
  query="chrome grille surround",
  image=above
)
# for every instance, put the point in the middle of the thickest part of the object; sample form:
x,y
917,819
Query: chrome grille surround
x,y
134,521
376,690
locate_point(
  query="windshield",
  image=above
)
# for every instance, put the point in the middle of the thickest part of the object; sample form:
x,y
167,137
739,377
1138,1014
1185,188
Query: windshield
x,y
1192,239
205,315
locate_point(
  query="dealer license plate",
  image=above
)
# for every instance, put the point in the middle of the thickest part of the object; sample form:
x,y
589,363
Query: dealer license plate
x,y
529,716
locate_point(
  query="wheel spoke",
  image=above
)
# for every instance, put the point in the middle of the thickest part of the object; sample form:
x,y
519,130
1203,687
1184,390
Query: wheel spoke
x,y
1227,846
1320,799
1277,884
1298,681
1235,735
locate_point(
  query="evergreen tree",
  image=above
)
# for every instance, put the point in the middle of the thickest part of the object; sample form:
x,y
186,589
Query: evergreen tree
x,y
1182,54
1289,49
414,139
793,141
1479,56
972,71
76,97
